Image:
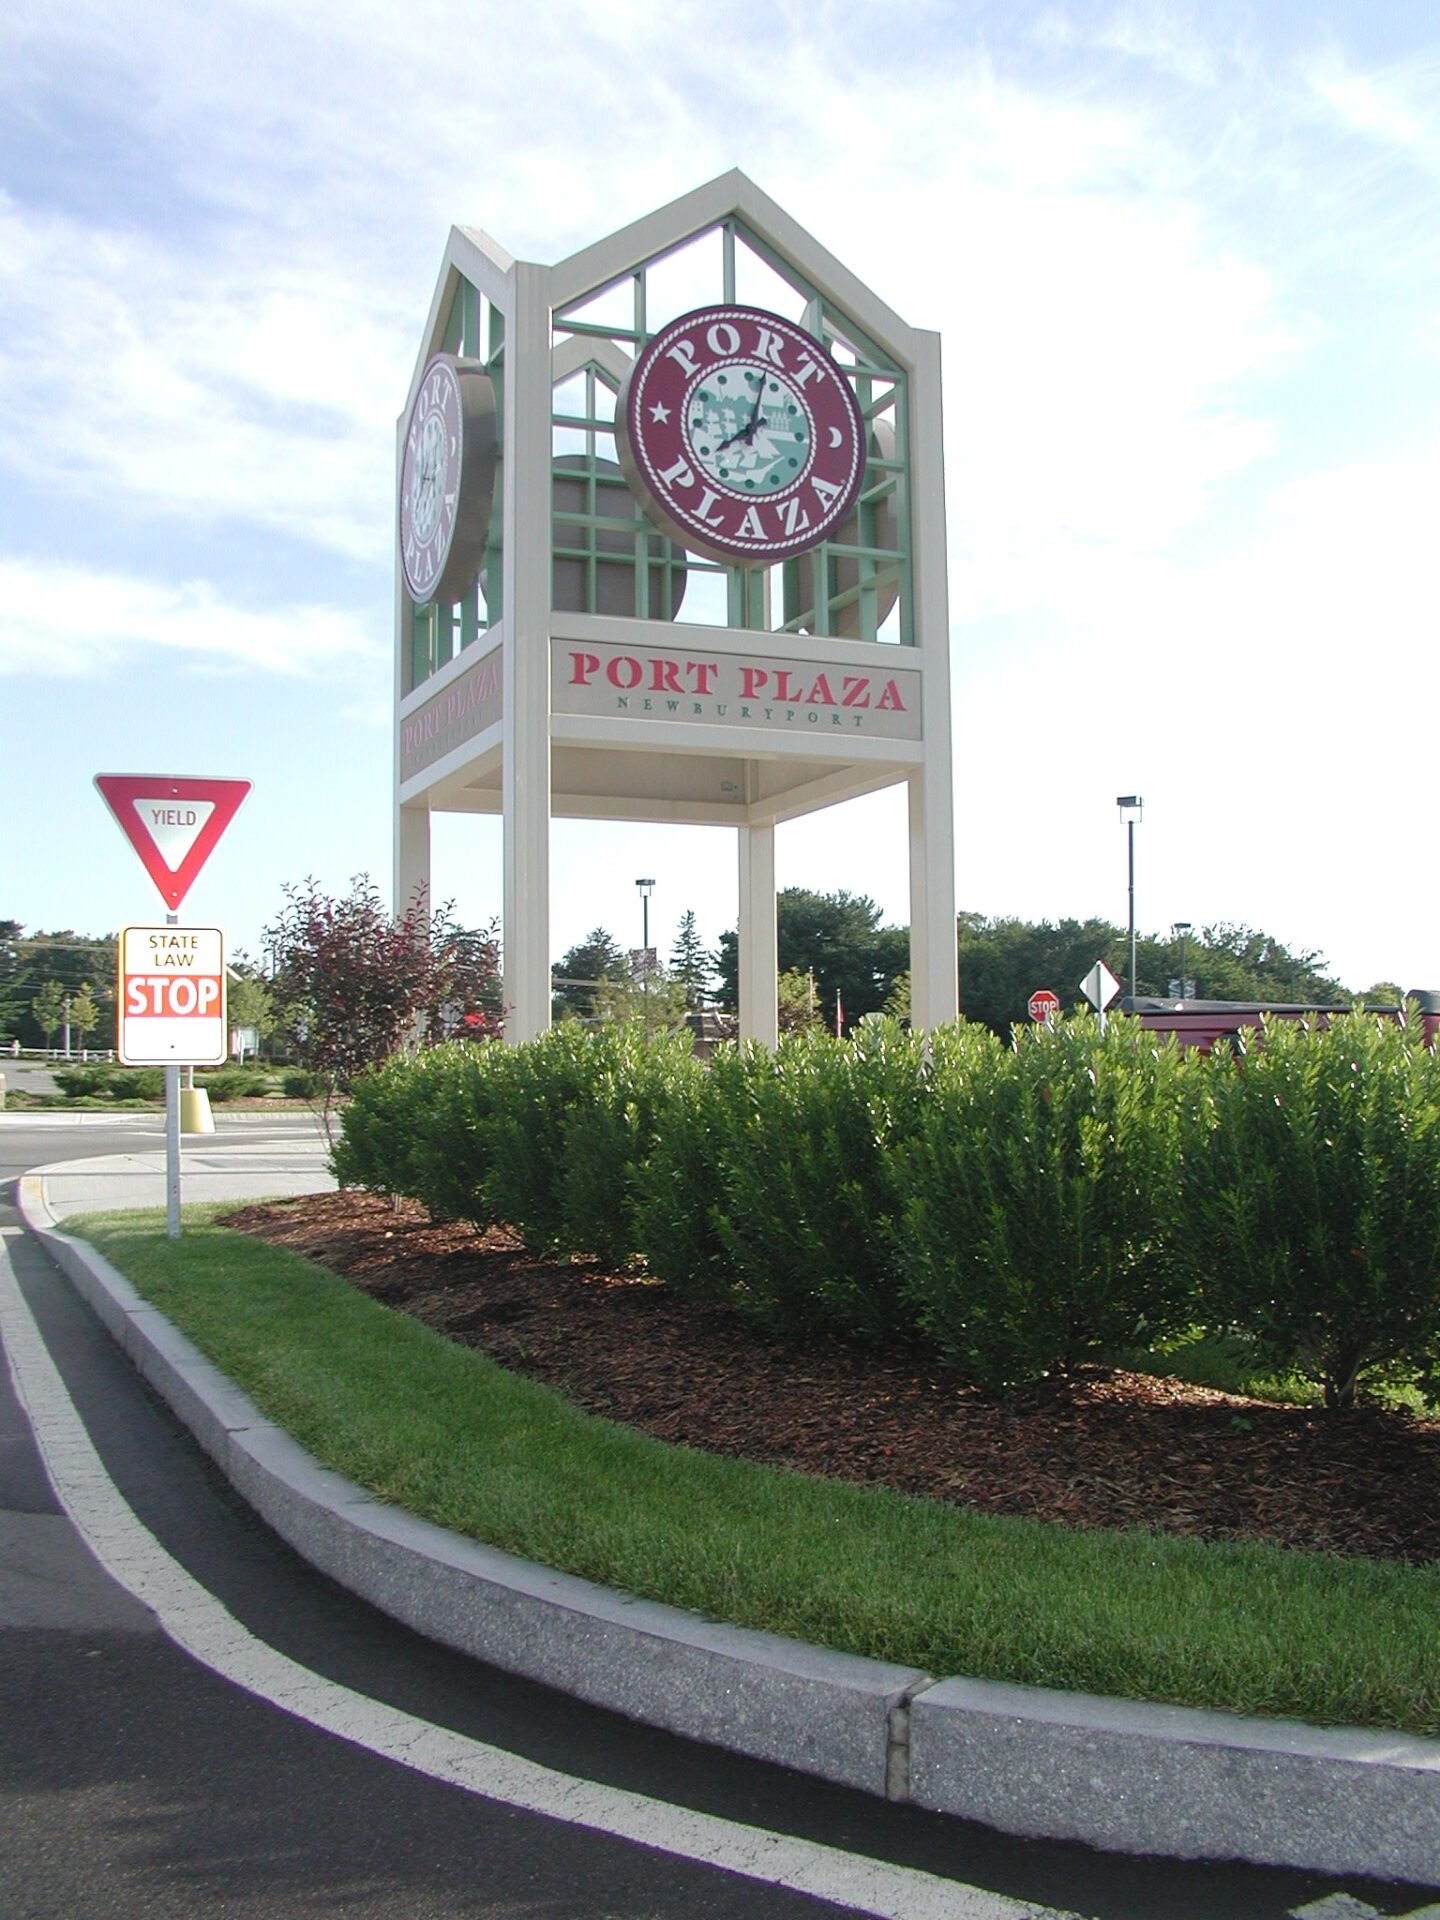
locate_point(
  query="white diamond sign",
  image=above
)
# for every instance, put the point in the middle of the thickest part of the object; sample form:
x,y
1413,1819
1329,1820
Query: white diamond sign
x,y
1099,986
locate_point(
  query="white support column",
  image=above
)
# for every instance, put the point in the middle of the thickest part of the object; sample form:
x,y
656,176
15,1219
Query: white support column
x,y
934,987
757,937
412,857
526,659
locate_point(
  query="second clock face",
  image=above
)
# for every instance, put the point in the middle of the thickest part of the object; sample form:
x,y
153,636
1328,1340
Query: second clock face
x,y
740,435
447,479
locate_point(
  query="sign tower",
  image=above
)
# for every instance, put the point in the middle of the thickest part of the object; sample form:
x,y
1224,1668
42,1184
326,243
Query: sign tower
x,y
671,547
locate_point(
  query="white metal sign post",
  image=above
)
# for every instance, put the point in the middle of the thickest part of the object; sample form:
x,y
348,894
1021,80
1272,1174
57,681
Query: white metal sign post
x,y
171,1003
173,822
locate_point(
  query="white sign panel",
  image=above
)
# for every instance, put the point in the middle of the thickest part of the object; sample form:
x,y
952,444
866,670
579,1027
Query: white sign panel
x,y
686,684
1100,986
172,997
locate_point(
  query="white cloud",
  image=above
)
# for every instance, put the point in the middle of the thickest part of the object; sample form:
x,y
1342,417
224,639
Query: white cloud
x,y
70,621
1160,36
197,387
1396,106
1094,340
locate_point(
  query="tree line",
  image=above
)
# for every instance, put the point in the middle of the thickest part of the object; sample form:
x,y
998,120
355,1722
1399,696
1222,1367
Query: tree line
x,y
834,953
837,963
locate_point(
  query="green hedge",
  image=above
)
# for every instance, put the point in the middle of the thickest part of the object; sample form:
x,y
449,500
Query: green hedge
x,y
789,1179
103,1079
1018,1209
1313,1200
1036,1218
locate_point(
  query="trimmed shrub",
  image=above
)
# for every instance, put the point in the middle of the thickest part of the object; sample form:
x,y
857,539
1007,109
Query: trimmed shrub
x,y
803,1142
420,1125
677,1192
638,1086
377,1130
107,1080
537,1086
458,1090
1035,1201
92,1080
1314,1199
236,1083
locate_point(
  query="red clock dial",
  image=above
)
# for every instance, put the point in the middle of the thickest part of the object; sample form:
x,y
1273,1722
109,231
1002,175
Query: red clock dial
x,y
740,435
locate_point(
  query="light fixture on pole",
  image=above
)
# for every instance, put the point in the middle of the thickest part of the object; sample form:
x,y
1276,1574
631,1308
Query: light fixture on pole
x,y
646,887
1180,931
1132,808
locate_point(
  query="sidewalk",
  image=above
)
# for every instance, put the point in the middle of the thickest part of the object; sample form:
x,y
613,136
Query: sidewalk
x,y
241,1170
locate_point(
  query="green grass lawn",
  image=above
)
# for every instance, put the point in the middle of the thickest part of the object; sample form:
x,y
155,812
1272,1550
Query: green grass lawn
x,y
444,1432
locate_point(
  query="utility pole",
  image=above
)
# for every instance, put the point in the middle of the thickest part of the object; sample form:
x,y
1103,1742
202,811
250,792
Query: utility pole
x,y
646,887
1132,808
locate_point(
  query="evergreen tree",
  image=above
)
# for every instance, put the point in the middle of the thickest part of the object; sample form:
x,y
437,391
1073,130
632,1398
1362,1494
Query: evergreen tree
x,y
576,976
689,962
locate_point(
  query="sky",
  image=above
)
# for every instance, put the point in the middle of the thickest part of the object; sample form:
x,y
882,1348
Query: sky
x,y
1185,264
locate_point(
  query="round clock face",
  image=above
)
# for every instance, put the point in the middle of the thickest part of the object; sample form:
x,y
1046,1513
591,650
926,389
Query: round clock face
x,y
447,479
740,435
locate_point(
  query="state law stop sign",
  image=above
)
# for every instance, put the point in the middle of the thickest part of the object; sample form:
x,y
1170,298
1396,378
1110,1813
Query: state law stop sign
x,y
172,997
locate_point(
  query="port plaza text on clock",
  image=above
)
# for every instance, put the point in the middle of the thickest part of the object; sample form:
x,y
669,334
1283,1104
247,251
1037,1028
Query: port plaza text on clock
x,y
741,435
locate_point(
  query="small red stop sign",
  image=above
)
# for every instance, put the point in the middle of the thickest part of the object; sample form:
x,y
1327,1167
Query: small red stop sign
x,y
1044,1004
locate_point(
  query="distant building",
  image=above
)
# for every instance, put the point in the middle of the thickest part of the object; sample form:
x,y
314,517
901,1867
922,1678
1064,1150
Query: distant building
x,y
1200,1023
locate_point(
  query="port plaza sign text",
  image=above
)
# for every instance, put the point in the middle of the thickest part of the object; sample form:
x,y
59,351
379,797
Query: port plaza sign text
x,y
744,690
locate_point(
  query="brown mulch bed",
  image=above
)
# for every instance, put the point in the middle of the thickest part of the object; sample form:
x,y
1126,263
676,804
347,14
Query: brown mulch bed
x,y
1102,1449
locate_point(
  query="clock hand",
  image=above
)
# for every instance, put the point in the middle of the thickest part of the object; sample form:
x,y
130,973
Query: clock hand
x,y
754,421
747,432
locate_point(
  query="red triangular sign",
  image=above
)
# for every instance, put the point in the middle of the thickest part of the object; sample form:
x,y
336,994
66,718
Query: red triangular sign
x,y
173,824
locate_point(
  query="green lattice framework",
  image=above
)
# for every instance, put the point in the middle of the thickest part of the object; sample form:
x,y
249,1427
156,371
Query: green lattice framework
x,y
606,528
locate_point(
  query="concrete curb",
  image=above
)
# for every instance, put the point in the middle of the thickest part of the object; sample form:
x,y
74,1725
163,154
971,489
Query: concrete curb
x,y
1130,1777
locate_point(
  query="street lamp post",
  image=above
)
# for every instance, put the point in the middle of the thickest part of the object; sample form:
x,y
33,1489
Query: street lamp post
x,y
646,888
1132,808
1181,931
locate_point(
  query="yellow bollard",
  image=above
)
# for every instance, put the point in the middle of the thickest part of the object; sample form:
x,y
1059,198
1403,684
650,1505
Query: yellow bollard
x,y
195,1114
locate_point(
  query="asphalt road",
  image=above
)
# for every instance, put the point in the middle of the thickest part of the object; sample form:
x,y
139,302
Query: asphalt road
x,y
134,1781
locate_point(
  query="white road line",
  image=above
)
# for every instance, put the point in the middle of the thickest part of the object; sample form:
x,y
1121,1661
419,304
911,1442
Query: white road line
x,y
196,1621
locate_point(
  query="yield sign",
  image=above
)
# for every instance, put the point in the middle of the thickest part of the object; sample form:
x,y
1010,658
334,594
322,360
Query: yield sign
x,y
173,824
